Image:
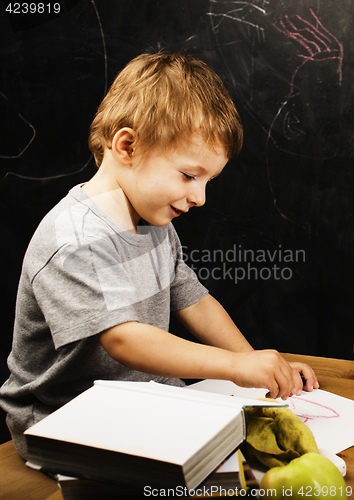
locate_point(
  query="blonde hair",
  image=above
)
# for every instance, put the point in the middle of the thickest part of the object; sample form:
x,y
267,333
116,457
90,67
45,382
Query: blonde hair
x,y
164,98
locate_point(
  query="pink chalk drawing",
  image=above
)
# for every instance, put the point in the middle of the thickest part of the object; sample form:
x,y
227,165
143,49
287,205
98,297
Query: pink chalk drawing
x,y
310,410
317,43
299,120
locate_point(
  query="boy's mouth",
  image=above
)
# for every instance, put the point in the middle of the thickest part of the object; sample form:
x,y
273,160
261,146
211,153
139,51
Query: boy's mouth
x,y
176,212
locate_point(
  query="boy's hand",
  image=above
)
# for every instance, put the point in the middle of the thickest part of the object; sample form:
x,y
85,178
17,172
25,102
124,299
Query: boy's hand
x,y
268,369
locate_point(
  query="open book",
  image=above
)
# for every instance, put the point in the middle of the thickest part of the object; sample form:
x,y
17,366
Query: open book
x,y
142,433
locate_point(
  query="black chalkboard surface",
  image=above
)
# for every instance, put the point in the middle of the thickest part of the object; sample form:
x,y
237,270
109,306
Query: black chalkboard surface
x,y
274,243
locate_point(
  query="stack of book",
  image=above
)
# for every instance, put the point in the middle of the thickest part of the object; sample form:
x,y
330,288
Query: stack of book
x,y
136,439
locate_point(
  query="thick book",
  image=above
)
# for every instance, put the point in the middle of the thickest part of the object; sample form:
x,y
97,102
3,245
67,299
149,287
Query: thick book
x,y
226,480
142,433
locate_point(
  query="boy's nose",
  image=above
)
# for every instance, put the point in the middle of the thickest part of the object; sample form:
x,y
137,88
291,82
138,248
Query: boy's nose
x,y
197,197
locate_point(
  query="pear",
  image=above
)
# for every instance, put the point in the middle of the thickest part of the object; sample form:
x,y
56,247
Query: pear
x,y
310,475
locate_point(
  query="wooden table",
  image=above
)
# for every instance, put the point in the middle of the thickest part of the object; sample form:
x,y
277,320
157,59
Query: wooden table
x,y
17,482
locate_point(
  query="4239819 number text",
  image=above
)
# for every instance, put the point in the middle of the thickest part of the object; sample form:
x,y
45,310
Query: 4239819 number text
x,y
33,8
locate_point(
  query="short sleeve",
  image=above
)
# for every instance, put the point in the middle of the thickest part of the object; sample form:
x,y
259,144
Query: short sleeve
x,y
74,298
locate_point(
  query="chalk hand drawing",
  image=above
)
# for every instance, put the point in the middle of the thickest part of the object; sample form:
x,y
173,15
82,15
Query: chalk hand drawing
x,y
316,43
291,90
301,116
310,410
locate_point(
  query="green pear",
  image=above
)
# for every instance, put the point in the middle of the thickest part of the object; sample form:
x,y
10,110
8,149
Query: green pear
x,y
310,475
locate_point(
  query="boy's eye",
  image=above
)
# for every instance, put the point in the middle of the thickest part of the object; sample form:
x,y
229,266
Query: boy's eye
x,y
188,177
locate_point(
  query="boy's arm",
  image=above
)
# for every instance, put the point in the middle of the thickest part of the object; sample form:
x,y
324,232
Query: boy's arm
x,y
155,351
152,350
208,321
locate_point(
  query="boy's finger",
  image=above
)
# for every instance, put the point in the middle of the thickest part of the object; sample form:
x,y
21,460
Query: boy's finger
x,y
273,393
285,383
308,376
298,383
310,379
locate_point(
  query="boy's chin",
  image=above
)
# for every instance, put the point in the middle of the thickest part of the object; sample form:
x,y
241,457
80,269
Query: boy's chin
x,y
158,222
162,224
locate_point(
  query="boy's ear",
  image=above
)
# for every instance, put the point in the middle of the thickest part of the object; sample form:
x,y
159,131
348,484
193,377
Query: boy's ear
x,y
123,144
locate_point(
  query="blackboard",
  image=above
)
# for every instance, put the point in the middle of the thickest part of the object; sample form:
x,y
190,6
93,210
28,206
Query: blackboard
x,y
274,243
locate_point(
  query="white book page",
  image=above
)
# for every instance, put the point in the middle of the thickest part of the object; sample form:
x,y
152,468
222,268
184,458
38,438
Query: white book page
x,y
330,417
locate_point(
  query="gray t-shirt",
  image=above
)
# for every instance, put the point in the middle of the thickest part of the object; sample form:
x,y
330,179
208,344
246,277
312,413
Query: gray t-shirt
x,y
82,274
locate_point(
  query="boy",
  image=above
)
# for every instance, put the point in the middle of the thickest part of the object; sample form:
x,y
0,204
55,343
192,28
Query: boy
x,y
105,267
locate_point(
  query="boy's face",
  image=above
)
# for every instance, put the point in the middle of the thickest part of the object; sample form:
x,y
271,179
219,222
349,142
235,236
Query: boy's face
x,y
162,187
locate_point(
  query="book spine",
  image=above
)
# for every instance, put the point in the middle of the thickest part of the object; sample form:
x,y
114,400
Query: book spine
x,y
173,392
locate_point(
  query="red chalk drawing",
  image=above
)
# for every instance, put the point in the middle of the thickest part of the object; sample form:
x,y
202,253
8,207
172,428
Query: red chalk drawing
x,y
311,410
